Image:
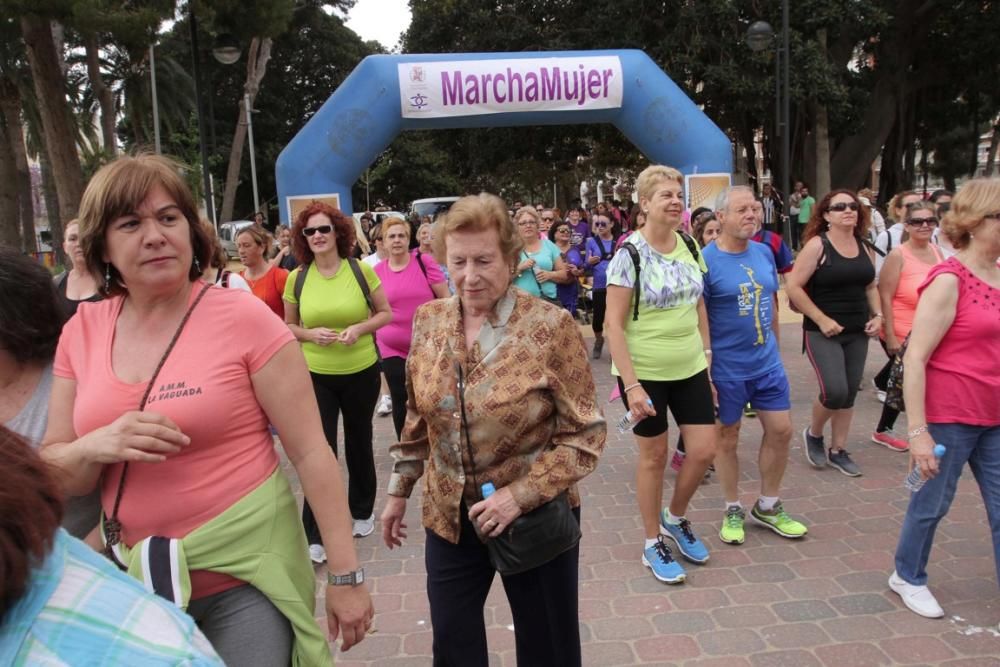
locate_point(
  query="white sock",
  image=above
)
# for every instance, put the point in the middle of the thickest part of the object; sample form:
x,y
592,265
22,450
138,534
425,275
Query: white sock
x,y
673,520
767,503
650,543
730,504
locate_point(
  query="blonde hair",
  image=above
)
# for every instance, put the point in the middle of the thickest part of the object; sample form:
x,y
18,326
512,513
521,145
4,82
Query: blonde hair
x,y
977,199
395,221
530,211
476,213
118,189
651,176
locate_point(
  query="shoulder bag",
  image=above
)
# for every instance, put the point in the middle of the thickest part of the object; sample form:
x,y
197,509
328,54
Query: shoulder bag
x,y
112,527
534,538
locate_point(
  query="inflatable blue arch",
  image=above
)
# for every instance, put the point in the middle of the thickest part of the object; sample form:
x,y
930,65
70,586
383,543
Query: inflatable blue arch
x,y
387,94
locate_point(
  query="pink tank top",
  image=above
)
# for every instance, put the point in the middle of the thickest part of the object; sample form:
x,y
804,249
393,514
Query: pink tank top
x,y
911,277
963,373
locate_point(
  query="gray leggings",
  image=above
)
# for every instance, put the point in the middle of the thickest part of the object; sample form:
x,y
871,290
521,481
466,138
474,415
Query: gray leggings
x,y
244,627
839,362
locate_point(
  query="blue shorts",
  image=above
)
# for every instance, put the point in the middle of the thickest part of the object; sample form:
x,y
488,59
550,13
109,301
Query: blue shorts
x,y
769,392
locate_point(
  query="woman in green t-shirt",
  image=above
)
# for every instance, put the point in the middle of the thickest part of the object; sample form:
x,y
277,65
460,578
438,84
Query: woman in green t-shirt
x,y
329,313
659,353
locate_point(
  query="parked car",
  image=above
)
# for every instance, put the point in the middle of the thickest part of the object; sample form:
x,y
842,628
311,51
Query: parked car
x,y
228,232
432,206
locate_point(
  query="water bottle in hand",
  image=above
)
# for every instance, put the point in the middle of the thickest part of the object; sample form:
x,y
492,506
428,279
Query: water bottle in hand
x,y
914,482
628,421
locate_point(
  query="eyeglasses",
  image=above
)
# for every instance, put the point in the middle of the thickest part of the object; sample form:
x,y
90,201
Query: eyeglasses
x,y
548,219
526,223
563,230
920,222
840,207
322,229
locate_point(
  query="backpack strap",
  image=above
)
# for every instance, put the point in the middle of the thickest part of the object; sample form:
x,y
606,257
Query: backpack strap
x,y
634,254
824,255
362,283
875,248
300,281
692,246
423,270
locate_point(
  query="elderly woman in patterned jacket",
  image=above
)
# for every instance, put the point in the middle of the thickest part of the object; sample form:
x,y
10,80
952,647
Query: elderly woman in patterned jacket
x,y
500,394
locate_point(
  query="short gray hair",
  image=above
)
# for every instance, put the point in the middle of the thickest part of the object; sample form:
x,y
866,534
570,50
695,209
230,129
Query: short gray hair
x,y
722,201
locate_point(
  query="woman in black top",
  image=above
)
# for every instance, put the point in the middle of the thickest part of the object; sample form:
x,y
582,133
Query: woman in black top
x,y
75,285
833,285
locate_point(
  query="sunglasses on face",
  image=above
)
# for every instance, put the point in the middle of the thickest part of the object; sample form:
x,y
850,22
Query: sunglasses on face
x,y
322,229
843,206
563,230
920,222
600,224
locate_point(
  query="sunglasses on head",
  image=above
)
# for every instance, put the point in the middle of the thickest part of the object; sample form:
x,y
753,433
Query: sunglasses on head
x,y
840,207
920,222
322,229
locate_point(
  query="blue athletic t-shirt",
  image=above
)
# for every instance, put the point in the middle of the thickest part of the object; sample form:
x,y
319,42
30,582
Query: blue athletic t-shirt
x,y
739,296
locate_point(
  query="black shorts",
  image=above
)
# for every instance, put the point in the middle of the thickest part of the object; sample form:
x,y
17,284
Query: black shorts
x,y
689,400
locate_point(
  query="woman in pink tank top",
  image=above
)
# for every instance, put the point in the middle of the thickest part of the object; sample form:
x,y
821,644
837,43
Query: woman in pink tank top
x,y
904,270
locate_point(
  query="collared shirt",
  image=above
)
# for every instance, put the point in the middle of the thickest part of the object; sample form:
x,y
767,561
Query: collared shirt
x,y
80,610
531,406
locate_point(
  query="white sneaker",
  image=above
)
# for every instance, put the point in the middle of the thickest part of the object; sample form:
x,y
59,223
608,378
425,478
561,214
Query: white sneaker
x,y
317,553
879,394
364,527
384,406
918,599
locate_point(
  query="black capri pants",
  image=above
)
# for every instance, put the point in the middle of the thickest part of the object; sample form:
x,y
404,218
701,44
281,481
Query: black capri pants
x,y
839,362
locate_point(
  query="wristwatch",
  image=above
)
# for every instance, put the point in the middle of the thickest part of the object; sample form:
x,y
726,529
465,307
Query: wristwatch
x,y
355,578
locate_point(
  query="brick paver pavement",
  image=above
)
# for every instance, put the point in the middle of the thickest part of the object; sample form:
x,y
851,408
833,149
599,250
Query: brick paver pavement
x,y
822,600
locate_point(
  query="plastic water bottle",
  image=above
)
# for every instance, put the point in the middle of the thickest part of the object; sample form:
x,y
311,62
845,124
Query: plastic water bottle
x,y
628,421
488,490
914,482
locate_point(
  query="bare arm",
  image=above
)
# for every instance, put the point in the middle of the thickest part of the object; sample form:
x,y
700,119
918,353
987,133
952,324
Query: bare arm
x,y
888,282
441,290
934,316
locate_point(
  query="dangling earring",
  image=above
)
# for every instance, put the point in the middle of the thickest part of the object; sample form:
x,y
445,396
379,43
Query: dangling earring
x,y
107,276
197,265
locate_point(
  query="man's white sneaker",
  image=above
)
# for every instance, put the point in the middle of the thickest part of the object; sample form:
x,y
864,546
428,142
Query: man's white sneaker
x,y
918,599
317,553
364,527
384,406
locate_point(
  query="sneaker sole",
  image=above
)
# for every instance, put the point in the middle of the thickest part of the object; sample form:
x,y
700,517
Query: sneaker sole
x,y
805,446
739,541
888,446
666,533
679,579
902,598
775,529
844,472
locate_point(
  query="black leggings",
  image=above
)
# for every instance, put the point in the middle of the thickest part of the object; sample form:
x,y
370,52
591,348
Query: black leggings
x,y
355,394
600,298
888,418
839,362
394,369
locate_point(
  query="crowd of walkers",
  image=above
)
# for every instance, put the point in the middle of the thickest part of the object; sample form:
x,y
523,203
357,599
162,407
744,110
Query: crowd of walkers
x,y
147,382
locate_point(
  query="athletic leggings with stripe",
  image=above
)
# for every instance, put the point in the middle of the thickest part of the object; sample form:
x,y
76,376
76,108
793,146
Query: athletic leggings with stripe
x,y
839,362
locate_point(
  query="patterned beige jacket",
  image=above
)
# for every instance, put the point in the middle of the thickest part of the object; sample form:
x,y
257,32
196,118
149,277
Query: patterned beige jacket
x,y
530,400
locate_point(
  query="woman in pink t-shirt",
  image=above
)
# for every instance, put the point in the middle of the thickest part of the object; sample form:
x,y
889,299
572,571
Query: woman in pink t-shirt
x,y
410,280
951,386
201,446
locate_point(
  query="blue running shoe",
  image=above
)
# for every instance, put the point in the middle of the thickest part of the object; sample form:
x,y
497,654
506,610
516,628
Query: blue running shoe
x,y
660,560
687,542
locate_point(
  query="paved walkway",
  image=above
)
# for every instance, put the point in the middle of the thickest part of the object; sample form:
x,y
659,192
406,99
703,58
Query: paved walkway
x,y
822,600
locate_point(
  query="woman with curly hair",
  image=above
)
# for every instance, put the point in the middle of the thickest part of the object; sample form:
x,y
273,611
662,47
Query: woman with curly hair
x,y
833,285
333,305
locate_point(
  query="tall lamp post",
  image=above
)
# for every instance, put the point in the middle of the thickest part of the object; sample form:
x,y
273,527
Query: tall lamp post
x,y
759,37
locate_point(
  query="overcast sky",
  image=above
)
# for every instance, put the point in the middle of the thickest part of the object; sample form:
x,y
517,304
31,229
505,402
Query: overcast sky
x,y
381,20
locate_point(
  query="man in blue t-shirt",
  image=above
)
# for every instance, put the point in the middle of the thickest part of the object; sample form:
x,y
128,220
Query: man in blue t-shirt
x,y
740,294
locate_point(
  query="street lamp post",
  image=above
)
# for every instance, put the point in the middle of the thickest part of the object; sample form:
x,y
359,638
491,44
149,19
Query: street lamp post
x,y
253,159
760,36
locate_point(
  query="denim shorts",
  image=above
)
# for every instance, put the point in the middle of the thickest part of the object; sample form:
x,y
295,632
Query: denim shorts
x,y
768,392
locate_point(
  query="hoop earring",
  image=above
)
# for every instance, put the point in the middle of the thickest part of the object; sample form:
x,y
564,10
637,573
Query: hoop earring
x,y
107,276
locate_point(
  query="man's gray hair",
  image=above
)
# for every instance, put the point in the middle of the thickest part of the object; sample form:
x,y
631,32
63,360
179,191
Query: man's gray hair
x,y
722,201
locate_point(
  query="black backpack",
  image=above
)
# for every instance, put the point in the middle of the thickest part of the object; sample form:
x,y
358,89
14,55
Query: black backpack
x,y
633,252
300,281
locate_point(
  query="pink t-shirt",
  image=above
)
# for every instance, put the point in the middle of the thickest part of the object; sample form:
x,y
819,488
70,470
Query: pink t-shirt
x,y
405,290
963,373
205,388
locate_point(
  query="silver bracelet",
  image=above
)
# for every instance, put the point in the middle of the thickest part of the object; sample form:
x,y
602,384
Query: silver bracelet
x,y
917,431
631,387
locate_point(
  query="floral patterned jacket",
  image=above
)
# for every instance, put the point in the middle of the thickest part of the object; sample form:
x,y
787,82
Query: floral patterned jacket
x,y
530,401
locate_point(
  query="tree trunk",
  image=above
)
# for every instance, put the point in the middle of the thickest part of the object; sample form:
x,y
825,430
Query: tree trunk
x,y
257,57
10,112
10,233
821,136
51,202
102,94
991,154
57,124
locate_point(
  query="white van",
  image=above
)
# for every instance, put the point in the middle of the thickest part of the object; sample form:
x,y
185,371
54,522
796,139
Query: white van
x,y
432,206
